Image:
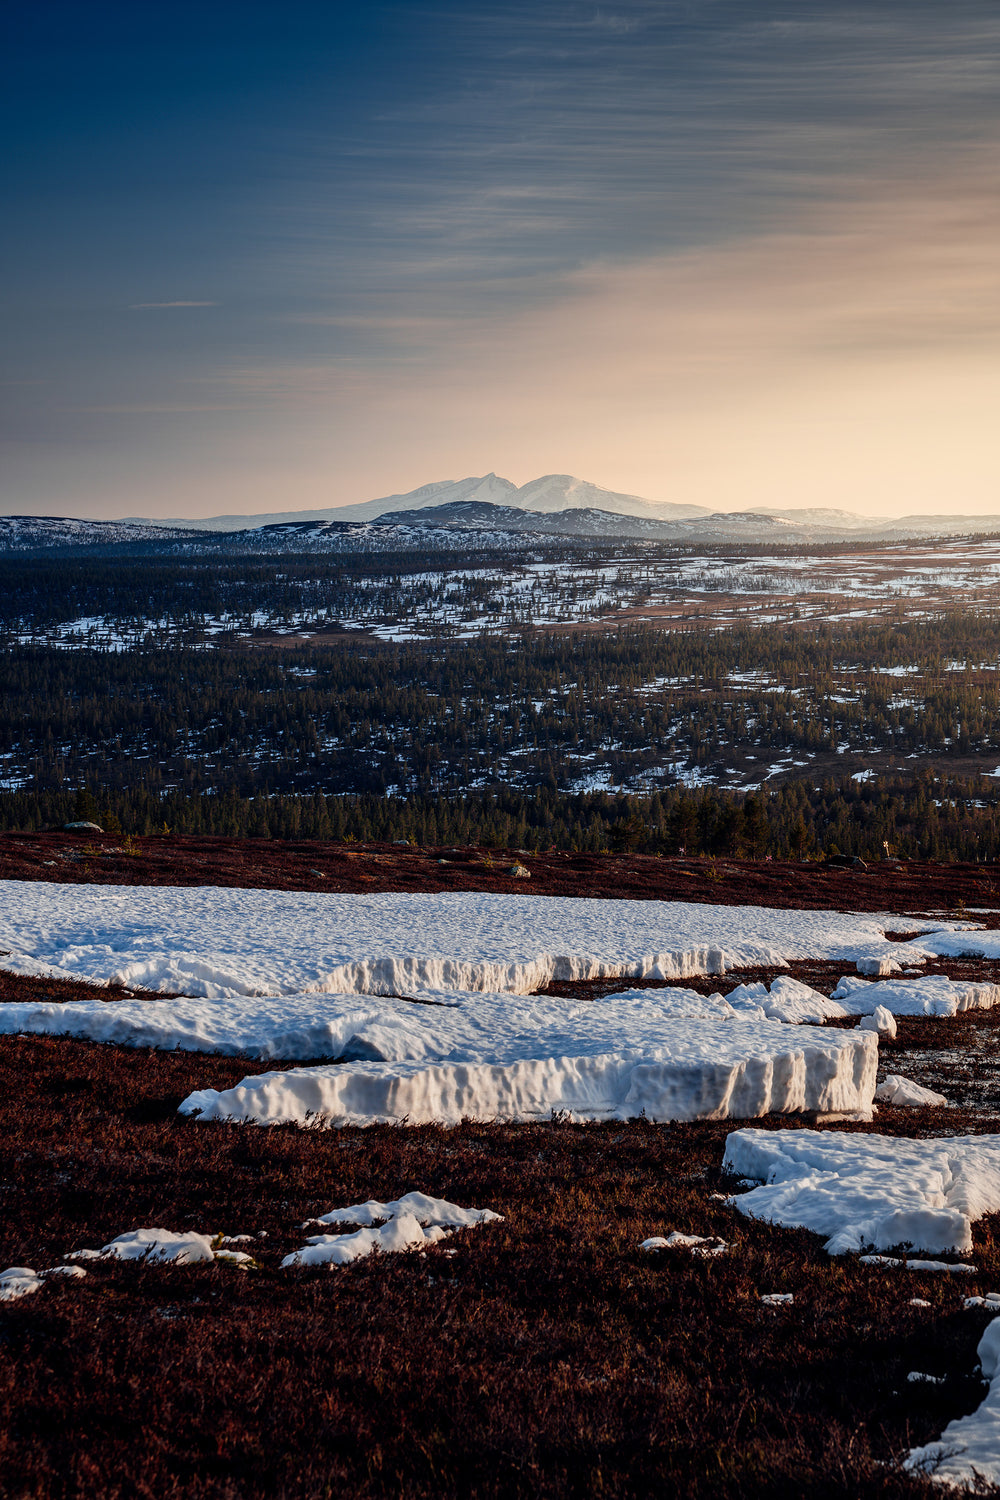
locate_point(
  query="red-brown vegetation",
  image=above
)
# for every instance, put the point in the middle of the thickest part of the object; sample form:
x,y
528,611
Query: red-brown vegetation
x,y
318,865
547,1355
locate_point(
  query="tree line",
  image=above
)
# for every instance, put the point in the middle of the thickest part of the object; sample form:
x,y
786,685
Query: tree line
x,y
933,818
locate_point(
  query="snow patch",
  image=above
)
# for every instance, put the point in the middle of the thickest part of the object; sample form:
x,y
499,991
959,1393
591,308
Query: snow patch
x,y
698,1244
152,1246
18,1281
869,1191
408,1223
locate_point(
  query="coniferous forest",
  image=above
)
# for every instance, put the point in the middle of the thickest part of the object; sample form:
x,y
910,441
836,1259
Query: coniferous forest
x,y
794,738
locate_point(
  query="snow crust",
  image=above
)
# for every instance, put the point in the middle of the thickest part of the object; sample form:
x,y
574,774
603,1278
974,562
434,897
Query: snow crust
x,y
869,1191
925,995
969,1447
216,943
692,1069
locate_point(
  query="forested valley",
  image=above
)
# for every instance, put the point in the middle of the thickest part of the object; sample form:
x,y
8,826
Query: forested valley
x,y
784,738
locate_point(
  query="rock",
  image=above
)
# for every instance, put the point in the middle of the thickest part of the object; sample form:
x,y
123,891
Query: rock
x,y
519,872
82,828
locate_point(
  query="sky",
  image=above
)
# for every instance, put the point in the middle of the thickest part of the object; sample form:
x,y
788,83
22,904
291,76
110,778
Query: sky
x,y
263,257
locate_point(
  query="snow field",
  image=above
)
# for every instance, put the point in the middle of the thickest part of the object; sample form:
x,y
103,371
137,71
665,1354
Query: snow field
x,y
302,976
869,1192
462,1026
672,1052
218,943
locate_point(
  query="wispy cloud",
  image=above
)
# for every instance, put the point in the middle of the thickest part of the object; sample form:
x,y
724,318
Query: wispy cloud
x,y
143,306
157,408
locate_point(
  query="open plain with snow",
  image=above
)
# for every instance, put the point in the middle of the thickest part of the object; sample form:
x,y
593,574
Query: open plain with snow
x,y
434,1272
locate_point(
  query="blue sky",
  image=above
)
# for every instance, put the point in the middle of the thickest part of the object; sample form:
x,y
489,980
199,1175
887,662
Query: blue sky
x,y
261,257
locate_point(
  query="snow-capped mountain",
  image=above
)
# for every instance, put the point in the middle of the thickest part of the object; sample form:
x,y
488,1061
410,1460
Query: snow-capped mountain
x,y
552,492
553,505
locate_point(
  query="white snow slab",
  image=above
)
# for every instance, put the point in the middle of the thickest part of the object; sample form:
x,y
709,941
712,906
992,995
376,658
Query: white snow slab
x,y
926,995
449,1026
152,1246
969,1447
894,1089
788,1000
215,942
877,968
408,1223
869,1191
693,1069
881,1021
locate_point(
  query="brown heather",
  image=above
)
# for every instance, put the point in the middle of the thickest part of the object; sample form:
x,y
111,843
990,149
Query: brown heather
x,y
548,1356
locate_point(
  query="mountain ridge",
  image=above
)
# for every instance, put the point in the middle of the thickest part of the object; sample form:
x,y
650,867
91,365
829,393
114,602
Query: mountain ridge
x,y
551,505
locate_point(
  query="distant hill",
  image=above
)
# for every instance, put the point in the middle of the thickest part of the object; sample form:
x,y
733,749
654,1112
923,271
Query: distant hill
x,y
29,533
